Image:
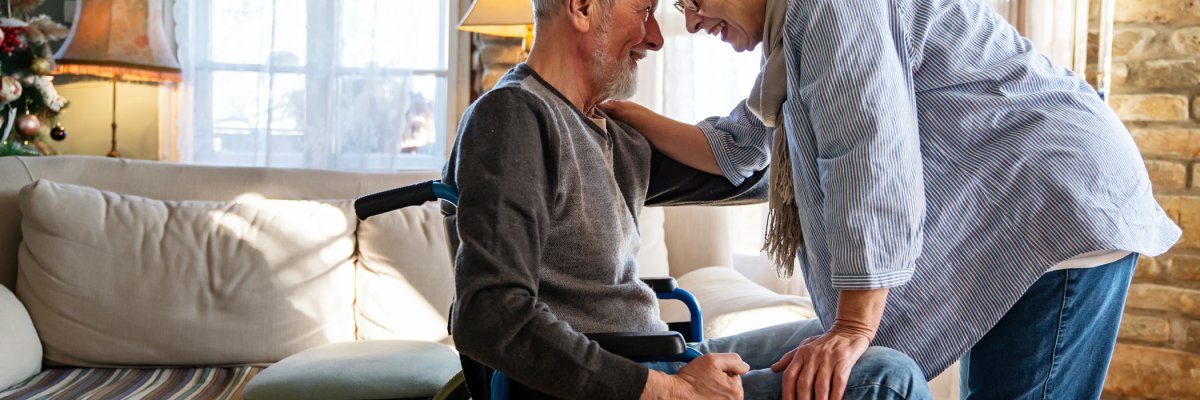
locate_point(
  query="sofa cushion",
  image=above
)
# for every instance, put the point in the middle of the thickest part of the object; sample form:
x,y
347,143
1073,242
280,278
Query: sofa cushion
x,y
20,349
406,278
370,369
732,304
404,274
652,256
116,280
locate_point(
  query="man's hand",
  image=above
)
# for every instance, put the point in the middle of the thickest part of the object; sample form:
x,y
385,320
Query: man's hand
x,y
820,367
711,376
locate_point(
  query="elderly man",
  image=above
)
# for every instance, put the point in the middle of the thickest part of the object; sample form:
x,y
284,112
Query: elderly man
x,y
550,192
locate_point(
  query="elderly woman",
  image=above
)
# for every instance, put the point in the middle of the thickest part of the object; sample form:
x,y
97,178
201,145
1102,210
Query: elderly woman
x,y
946,190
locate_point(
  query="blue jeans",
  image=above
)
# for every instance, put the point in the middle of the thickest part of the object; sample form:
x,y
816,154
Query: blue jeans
x,y
881,373
1056,342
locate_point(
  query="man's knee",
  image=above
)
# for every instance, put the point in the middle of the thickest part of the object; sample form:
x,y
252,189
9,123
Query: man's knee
x,y
888,369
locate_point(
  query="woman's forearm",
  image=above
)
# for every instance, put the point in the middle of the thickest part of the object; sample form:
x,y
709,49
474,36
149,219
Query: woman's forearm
x,y
860,311
682,142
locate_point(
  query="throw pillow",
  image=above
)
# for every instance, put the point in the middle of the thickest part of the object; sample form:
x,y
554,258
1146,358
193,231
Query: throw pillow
x,y
20,349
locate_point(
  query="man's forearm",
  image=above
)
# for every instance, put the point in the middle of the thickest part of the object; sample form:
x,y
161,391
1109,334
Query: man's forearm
x,y
860,311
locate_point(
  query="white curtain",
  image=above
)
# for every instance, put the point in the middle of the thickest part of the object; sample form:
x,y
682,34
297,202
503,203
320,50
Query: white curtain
x,y
1049,24
331,84
697,76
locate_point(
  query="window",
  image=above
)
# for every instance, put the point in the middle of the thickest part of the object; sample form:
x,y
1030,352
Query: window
x,y
333,84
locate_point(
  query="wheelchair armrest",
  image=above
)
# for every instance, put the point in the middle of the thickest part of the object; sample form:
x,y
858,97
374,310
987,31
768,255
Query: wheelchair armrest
x,y
668,288
641,345
661,285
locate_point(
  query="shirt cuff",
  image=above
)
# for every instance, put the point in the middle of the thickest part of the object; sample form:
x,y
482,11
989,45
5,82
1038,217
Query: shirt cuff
x,y
873,281
716,141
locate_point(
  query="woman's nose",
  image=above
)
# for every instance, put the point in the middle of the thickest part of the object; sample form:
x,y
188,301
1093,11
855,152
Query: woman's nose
x,y
692,20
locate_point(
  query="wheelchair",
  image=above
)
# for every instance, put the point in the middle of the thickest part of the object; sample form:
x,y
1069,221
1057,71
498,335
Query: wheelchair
x,y
482,382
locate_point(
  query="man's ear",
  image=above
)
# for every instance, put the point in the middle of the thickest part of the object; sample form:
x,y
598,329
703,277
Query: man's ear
x,y
580,13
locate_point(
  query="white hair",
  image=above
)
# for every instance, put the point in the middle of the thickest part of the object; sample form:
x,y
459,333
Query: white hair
x,y
544,9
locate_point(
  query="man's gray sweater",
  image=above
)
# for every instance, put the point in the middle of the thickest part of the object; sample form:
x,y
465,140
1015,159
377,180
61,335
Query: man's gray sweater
x,y
547,219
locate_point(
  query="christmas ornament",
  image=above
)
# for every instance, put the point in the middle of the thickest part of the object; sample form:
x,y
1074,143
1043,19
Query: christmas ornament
x,y
28,124
41,66
27,60
58,133
10,89
12,39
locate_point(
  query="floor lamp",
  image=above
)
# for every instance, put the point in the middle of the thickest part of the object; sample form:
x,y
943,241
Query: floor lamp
x,y
122,40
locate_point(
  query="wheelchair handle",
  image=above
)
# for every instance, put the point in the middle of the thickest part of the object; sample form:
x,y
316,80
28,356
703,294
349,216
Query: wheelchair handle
x,y
412,195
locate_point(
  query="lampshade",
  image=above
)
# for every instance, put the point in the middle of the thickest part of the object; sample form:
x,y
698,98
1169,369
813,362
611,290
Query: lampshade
x,y
512,18
126,39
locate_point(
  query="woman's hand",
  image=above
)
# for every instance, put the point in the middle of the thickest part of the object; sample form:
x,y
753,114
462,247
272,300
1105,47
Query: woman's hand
x,y
682,142
820,367
623,110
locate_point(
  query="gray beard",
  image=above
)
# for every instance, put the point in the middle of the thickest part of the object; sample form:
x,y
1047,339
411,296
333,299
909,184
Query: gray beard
x,y
617,78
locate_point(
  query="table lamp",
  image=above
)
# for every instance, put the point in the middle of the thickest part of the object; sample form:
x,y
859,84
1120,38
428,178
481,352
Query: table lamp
x,y
123,40
509,18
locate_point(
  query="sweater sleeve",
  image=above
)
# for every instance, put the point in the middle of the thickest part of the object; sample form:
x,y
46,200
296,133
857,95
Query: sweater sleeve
x,y
674,184
500,167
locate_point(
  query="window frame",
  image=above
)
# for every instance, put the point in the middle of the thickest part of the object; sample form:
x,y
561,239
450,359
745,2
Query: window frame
x,y
450,93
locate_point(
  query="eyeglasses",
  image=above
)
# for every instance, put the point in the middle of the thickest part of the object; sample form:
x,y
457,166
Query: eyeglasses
x,y
687,5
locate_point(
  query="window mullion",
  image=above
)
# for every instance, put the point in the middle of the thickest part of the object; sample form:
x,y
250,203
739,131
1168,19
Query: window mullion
x,y
202,121
320,83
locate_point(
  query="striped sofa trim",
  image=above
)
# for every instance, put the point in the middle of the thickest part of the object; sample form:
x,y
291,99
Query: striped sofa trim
x,y
134,383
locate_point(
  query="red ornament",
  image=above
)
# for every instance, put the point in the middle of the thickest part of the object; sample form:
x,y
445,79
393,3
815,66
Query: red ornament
x,y
28,124
58,133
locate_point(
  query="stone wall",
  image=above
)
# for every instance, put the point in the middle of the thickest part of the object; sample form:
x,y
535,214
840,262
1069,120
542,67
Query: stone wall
x,y
491,57
1156,91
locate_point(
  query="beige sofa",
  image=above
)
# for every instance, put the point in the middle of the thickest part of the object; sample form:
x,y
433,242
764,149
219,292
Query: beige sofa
x,y
139,278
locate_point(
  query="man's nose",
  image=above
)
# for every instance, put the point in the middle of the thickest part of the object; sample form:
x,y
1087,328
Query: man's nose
x,y
654,38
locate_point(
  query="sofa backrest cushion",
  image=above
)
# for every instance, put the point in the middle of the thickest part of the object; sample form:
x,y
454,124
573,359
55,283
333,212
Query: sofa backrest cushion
x,y
405,278
405,281
166,181
695,235
119,280
652,256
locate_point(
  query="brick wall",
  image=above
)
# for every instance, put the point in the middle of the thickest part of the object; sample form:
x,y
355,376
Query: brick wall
x,y
1156,91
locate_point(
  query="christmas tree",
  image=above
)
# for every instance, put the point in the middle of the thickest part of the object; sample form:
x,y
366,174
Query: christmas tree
x,y
29,104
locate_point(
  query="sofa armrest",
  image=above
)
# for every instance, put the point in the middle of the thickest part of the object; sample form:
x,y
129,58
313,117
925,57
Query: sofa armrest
x,y
21,350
